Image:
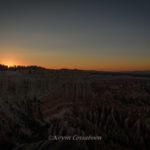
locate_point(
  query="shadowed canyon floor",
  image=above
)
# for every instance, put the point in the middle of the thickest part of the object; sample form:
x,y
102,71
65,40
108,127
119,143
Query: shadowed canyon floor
x,y
37,103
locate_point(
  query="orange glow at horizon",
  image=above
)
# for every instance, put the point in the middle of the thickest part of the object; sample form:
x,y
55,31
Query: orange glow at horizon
x,y
81,67
100,68
9,63
18,56
112,67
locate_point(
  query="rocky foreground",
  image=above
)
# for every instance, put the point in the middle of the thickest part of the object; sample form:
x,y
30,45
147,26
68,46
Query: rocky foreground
x,y
36,104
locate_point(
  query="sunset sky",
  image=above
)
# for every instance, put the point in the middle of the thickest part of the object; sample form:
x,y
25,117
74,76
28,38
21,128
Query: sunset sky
x,y
85,34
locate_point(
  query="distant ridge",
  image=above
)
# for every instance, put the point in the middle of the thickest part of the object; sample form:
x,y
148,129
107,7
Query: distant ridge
x,y
145,73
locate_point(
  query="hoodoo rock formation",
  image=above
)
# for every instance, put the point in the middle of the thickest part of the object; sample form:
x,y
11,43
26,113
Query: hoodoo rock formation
x,y
36,103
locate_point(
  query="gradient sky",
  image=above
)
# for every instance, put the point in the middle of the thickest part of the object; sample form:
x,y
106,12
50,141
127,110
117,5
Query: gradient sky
x,y
83,34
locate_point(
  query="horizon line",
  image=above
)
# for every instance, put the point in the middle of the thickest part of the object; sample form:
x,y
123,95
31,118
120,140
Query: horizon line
x,y
63,68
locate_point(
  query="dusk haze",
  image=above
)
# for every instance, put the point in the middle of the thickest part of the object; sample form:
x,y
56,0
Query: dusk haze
x,y
76,34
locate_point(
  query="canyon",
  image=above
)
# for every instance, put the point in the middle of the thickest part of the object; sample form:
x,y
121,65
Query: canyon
x,y
36,103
